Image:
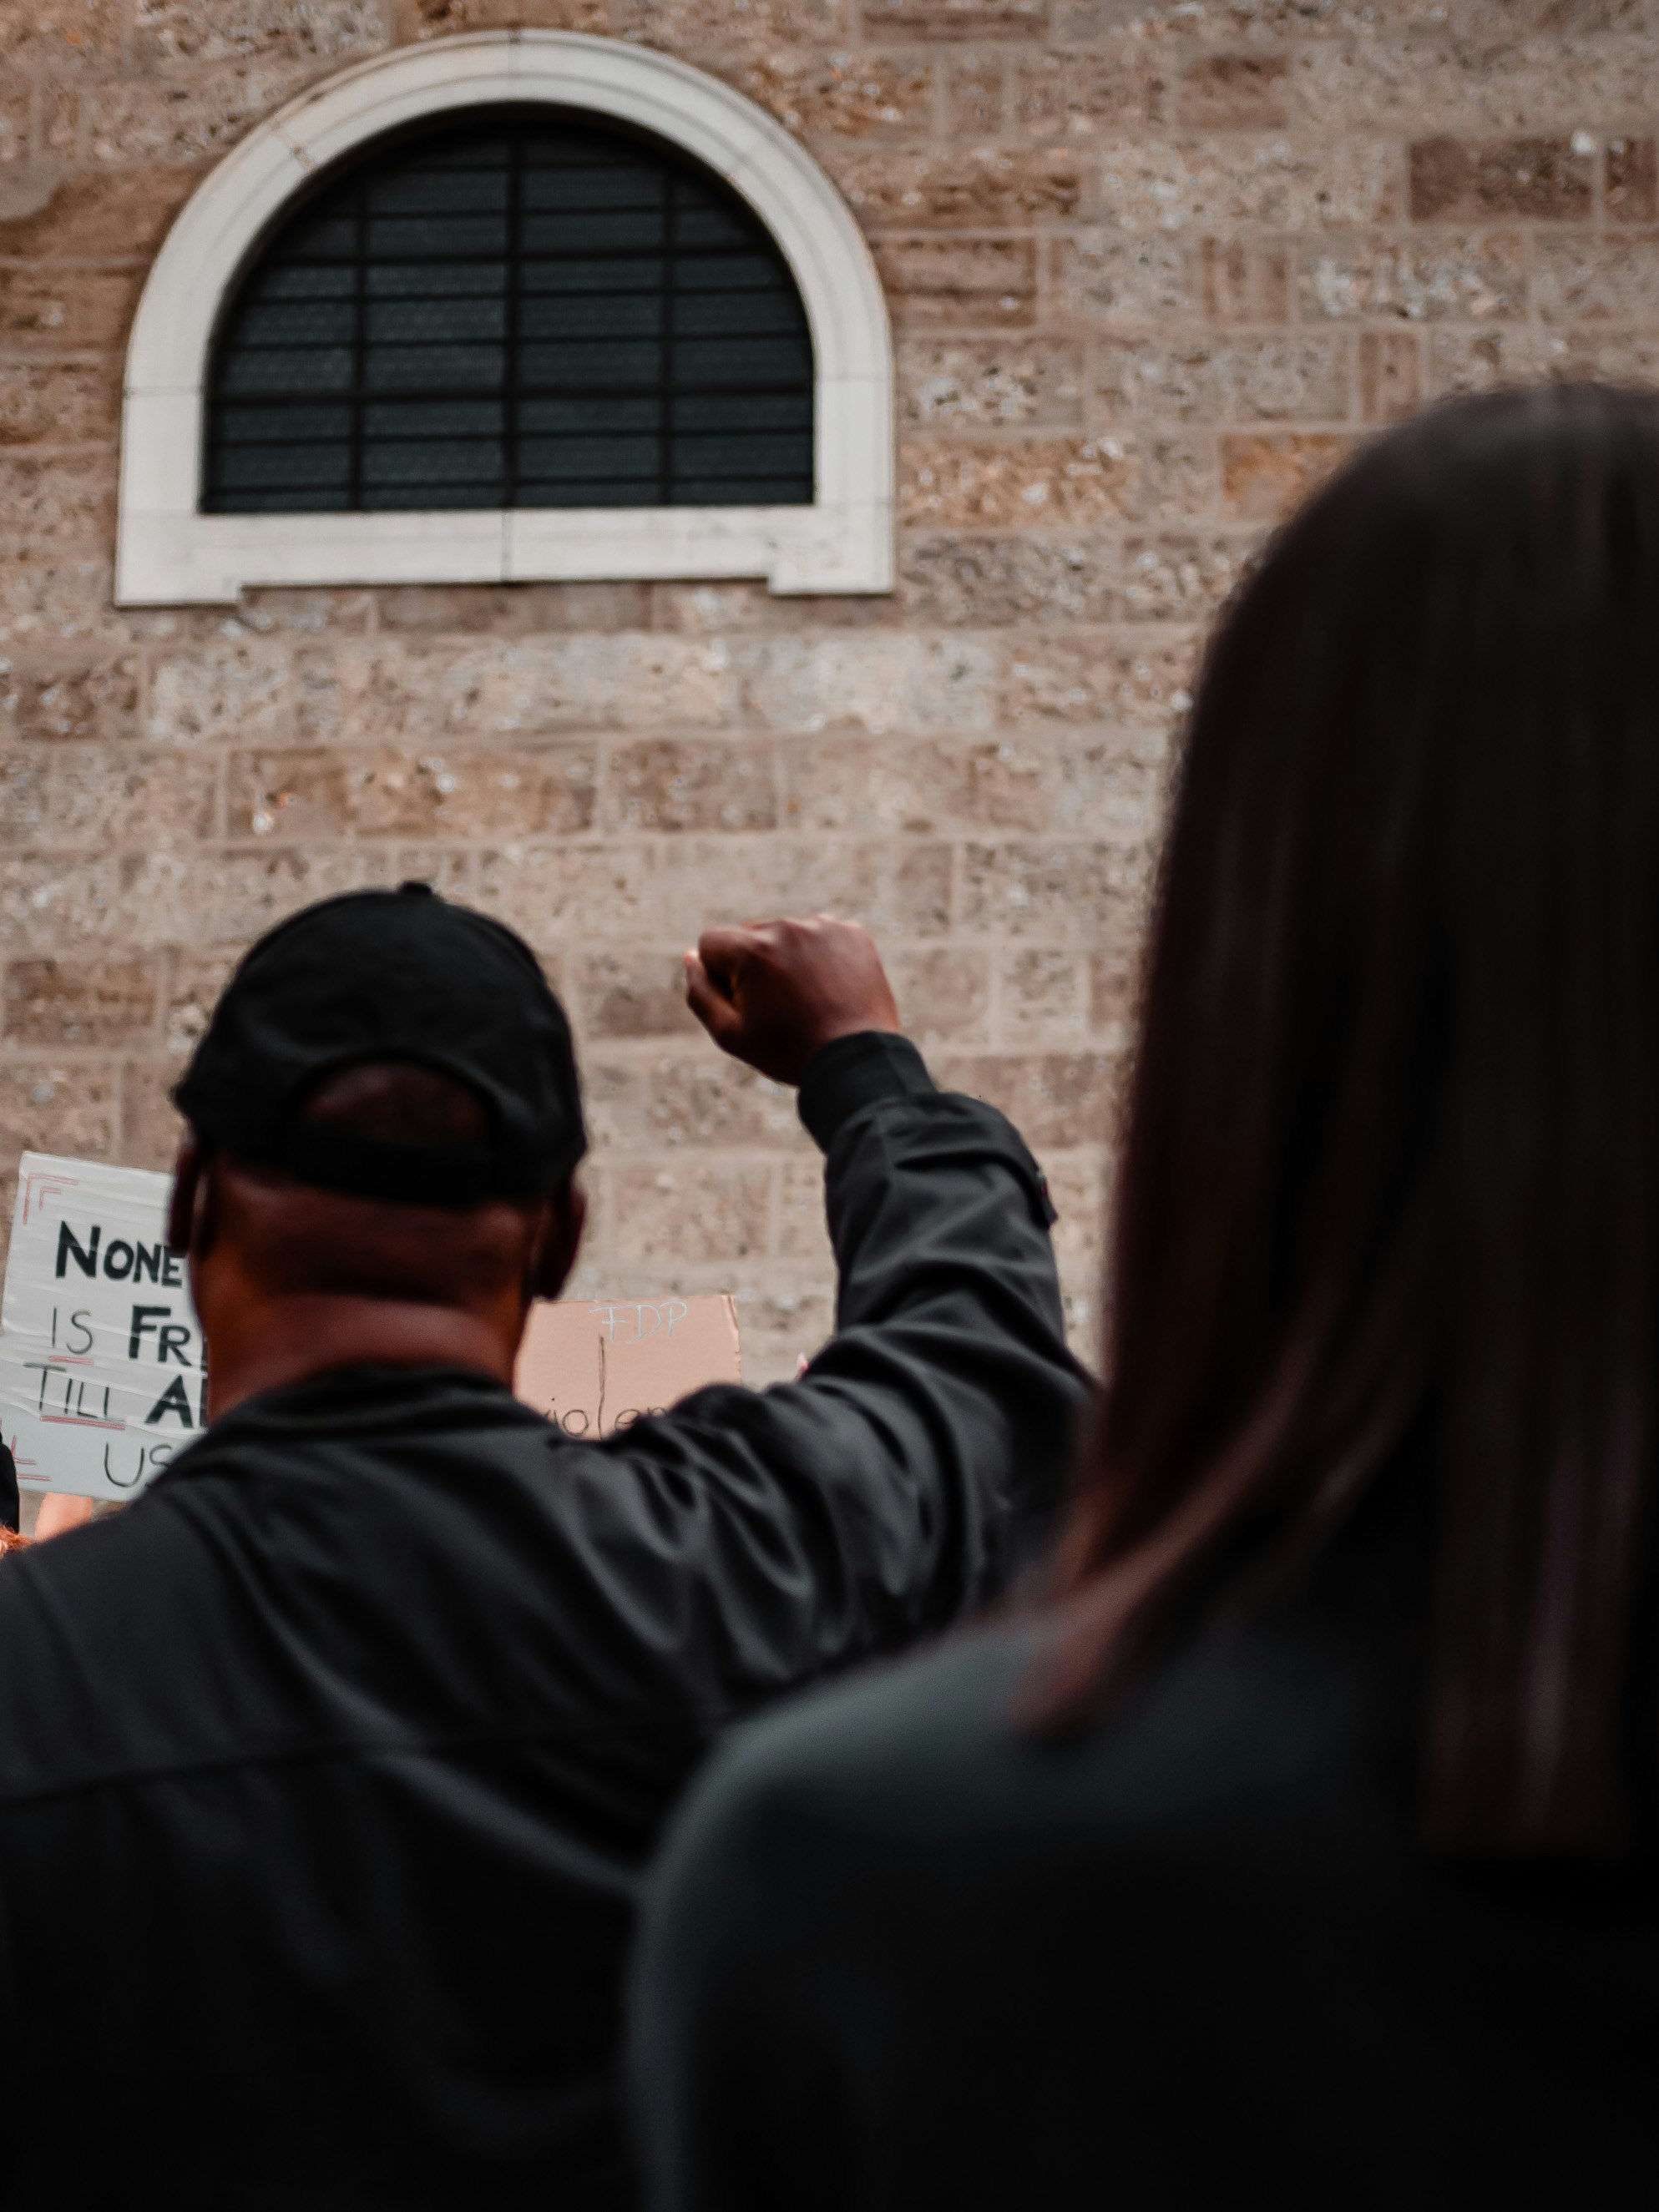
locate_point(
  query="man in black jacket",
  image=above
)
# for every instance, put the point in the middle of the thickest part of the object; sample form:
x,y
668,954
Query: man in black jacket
x,y
327,1771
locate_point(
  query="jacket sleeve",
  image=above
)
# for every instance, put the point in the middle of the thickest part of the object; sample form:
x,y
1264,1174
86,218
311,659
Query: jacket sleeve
x,y
754,1541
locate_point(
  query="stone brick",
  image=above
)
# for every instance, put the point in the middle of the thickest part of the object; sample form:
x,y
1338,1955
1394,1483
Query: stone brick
x,y
1579,278
61,502
1630,194
160,118
49,601
1491,81
1230,21
1477,278
724,611
503,610
983,187
80,1002
873,681
247,893
692,1209
1531,179
1060,679
23,800
1596,355
877,787
1051,1097
974,88
1041,997
779,1329
1029,578
632,994
395,689
83,698
613,1097
944,994
16,128
803,1230
51,902
443,19
691,784
304,794
58,403
1263,479
1235,92
1180,577
233,30
1390,374
553,894
979,383
898,887
940,283
49,1108
1246,280
1113,981
108,799
1480,360
1068,891
1280,379
705,1100
1288,185
66,310
1114,784
59,34
1079,96
192,993
700,28
94,218
955,19
236,690
1076,1189
151,1127
958,483
1121,282
857,96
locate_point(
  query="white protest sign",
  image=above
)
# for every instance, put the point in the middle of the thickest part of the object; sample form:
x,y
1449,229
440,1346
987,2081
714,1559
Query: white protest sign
x,y
102,1372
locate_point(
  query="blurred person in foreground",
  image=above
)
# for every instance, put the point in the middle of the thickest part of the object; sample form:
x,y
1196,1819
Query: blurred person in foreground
x,y
1303,1849
326,1770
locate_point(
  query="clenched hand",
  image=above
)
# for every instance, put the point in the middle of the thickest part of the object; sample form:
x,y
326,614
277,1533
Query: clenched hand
x,y
774,993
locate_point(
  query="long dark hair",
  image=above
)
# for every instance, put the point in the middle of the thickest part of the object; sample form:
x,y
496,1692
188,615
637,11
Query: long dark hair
x,y
1389,1164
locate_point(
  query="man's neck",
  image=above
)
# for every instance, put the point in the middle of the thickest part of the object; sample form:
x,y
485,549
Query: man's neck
x,y
287,1339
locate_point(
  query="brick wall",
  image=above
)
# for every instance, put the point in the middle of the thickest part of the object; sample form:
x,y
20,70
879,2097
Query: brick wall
x,y
1154,264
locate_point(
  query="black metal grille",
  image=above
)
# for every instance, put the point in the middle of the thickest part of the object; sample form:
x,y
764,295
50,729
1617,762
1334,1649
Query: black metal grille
x,y
524,311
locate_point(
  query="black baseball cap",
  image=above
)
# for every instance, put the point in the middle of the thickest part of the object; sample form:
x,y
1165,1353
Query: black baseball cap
x,y
390,975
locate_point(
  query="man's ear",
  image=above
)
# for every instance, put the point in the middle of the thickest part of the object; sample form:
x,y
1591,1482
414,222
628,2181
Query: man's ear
x,y
188,1208
564,1216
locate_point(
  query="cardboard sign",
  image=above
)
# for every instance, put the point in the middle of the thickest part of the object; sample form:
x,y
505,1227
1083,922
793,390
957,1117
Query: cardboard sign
x,y
594,1368
102,1372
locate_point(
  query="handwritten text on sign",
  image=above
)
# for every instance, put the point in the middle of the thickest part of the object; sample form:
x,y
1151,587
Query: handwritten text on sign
x,y
102,1373
594,1367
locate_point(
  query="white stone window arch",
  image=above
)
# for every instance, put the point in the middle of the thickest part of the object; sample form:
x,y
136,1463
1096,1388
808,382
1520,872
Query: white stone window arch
x,y
170,552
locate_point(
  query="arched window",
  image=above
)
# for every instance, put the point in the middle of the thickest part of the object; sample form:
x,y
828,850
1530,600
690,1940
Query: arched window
x,y
511,305
522,310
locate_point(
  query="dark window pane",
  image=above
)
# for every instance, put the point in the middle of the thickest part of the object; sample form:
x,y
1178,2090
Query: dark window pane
x,y
743,410
287,368
454,461
433,368
433,418
519,306
737,312
627,459
432,322
610,316
247,467
742,361
598,412
597,364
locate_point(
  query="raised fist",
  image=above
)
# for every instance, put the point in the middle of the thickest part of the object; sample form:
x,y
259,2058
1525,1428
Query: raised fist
x,y
774,993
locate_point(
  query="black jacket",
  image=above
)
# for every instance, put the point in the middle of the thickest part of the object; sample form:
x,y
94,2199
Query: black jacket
x,y
326,1770
902,1956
